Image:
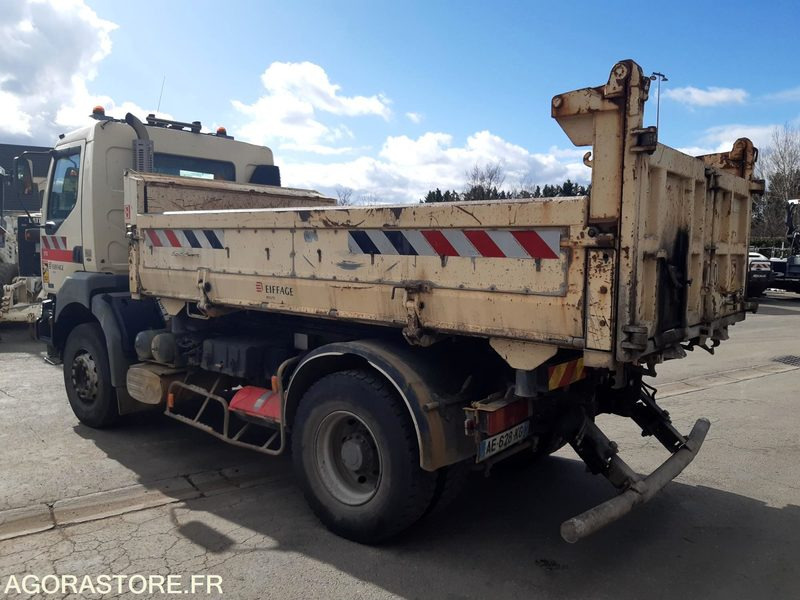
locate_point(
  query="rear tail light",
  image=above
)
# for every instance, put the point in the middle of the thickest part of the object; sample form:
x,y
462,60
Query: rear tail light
x,y
494,417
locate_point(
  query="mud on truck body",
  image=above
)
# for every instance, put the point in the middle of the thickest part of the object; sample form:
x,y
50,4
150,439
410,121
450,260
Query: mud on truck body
x,y
393,348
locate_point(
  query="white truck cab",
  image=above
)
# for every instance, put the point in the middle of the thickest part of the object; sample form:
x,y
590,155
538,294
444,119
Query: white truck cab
x,y
84,228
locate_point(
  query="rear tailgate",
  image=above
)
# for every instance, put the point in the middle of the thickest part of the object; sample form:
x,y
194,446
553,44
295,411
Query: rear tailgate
x,y
680,223
687,264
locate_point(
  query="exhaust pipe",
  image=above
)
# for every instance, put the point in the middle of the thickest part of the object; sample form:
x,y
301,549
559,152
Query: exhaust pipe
x,y
142,145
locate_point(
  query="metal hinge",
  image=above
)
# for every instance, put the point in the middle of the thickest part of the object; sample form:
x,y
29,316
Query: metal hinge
x,y
646,139
413,331
636,337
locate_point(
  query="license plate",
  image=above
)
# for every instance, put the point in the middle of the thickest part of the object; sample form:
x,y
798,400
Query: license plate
x,y
758,275
501,441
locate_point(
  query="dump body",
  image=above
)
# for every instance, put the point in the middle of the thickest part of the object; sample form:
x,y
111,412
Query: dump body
x,y
657,254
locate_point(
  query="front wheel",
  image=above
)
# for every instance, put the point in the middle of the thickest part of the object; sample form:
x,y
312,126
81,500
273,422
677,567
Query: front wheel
x,y
356,457
87,377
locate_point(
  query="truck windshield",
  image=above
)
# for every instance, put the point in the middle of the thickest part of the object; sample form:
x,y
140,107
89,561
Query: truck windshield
x,y
189,166
64,188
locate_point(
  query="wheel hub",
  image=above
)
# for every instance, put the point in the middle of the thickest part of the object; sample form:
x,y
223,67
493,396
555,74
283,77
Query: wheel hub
x,y
84,377
355,453
347,458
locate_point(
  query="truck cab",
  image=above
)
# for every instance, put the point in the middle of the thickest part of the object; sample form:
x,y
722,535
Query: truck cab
x,y
84,249
84,226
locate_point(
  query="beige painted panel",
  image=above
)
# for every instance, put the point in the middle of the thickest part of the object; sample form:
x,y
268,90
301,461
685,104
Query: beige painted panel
x,y
163,193
599,299
286,253
535,318
303,263
545,212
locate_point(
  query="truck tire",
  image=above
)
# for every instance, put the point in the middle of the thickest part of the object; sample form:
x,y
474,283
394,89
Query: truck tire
x,y
356,457
450,482
87,377
7,274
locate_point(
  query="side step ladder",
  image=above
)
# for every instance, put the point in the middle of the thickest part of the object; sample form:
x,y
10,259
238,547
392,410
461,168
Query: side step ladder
x,y
260,425
600,455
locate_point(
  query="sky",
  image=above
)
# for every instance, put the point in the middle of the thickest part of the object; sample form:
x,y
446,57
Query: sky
x,y
391,99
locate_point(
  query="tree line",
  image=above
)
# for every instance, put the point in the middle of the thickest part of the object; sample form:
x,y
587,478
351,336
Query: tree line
x,y
485,182
568,188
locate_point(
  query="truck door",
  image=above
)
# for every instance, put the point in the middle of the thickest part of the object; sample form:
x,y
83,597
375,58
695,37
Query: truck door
x,y
62,239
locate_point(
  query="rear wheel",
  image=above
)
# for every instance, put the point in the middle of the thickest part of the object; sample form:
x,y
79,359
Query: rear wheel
x,y
87,377
450,482
356,457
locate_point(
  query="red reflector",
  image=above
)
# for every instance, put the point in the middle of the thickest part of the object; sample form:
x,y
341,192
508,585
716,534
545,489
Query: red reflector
x,y
504,417
257,402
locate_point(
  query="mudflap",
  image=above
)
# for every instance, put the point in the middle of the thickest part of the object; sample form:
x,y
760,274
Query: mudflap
x,y
600,455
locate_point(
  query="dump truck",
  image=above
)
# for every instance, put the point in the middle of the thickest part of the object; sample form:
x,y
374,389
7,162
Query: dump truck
x,y
392,349
23,171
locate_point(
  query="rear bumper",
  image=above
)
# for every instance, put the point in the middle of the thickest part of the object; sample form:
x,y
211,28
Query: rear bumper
x,y
790,283
639,491
757,278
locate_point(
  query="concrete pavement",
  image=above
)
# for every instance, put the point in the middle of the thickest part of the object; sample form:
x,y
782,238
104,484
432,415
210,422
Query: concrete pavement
x,y
728,527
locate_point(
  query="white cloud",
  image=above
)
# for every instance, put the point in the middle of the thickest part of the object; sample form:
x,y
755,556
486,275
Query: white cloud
x,y
51,50
697,150
13,120
790,95
722,137
288,115
405,168
712,96
298,113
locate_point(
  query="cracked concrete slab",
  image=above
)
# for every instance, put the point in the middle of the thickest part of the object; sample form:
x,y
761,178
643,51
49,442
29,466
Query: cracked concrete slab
x,y
47,455
209,484
17,522
122,500
704,382
776,368
257,473
675,388
739,498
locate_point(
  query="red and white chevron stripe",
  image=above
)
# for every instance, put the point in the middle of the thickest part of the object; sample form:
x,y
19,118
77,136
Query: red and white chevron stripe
x,y
213,239
54,247
485,243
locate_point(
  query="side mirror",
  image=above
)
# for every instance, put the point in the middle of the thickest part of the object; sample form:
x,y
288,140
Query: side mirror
x,y
23,173
50,227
